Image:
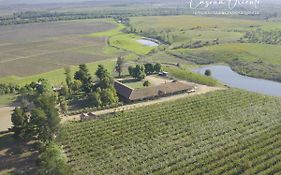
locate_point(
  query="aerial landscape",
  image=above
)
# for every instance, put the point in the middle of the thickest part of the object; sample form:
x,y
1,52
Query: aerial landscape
x,y
140,87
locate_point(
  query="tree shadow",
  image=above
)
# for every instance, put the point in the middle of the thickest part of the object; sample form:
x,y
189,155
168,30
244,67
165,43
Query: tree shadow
x,y
17,157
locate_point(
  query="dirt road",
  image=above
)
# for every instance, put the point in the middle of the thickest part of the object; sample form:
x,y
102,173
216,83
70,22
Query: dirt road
x,y
5,118
201,89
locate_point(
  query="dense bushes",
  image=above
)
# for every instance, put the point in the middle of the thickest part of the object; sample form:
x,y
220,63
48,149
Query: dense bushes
x,y
8,89
257,69
261,36
52,161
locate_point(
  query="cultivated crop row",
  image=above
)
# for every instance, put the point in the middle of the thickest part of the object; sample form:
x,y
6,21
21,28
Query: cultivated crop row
x,y
228,132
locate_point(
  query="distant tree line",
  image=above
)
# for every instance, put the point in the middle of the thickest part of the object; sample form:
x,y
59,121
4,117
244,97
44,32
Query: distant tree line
x,y
47,16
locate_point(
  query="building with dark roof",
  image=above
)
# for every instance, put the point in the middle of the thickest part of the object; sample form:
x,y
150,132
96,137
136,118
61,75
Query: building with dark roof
x,y
166,89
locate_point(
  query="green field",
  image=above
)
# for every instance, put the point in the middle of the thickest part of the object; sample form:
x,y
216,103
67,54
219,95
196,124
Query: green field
x,y
25,61
207,40
6,100
224,132
56,77
120,40
190,76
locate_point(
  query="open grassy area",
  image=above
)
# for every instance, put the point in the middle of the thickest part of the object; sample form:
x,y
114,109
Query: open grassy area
x,y
206,40
196,135
190,76
57,77
6,100
128,42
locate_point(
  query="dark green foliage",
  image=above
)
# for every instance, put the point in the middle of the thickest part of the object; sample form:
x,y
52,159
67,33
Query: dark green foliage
x,y
8,89
208,72
131,71
149,68
95,98
146,83
68,78
105,94
48,104
137,72
158,67
85,77
109,96
53,161
42,124
105,79
43,86
19,120
119,65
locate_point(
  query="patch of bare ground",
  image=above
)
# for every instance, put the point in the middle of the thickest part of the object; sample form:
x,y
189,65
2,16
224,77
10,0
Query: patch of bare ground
x,y
16,157
5,118
36,48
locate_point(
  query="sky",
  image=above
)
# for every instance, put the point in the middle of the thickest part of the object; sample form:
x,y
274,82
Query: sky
x,y
5,2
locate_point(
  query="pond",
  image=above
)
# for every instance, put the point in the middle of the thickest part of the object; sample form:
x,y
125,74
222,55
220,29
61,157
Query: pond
x,y
148,42
225,75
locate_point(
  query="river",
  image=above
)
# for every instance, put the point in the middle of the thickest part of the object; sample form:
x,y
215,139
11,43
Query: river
x,y
147,42
227,76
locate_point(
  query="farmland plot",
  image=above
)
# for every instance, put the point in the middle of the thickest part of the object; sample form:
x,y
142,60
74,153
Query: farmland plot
x,y
37,48
226,132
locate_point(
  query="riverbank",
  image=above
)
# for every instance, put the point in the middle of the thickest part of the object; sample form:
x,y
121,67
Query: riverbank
x,y
227,76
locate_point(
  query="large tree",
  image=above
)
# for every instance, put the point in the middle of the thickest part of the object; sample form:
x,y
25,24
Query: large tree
x,y
68,78
45,112
43,86
119,65
19,120
149,68
109,96
105,93
53,161
85,77
158,67
105,79
138,72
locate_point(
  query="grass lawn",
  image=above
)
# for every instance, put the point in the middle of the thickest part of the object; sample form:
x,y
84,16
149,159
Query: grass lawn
x,y
227,52
190,76
121,40
135,84
6,100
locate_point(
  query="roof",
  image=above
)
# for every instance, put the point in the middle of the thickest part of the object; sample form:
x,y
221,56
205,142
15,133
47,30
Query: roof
x,y
123,90
154,91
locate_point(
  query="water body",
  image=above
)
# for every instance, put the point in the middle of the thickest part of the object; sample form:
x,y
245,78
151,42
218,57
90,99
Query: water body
x,y
147,42
225,75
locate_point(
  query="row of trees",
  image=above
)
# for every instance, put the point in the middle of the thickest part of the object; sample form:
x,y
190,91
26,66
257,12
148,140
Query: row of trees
x,y
37,119
8,89
140,71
